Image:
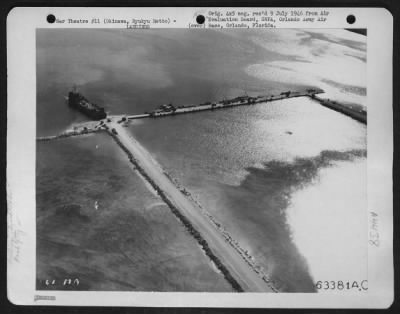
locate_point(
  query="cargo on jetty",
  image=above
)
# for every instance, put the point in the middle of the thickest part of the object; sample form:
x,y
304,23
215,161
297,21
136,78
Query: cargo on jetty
x,y
170,109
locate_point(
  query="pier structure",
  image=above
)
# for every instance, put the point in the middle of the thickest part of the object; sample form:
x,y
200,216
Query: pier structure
x,y
234,262
168,110
357,114
353,112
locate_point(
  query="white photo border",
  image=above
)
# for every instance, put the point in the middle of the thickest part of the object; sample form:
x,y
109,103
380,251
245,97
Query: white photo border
x,y
21,158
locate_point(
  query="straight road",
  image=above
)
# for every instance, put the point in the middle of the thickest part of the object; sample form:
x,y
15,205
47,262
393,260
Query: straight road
x,y
249,280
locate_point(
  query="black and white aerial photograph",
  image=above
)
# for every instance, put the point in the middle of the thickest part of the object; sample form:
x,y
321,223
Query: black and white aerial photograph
x,y
212,160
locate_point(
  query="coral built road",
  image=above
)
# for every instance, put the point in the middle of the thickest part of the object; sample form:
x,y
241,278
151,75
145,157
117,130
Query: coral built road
x,y
235,263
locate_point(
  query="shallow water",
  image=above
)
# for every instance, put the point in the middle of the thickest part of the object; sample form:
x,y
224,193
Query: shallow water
x,y
134,71
265,171
97,222
248,165
342,218
129,71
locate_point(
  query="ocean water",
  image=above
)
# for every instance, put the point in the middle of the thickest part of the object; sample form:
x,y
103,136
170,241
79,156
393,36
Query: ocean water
x,y
254,168
134,71
287,179
98,222
129,71
332,59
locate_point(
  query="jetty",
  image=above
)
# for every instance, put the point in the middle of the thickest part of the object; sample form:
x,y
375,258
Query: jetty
x,y
235,263
166,110
170,109
358,114
81,131
231,263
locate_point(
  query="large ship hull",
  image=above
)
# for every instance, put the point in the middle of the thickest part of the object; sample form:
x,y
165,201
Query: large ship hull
x,y
92,111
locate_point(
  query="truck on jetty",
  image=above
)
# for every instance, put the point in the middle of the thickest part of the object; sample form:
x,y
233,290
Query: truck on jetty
x,y
77,101
169,109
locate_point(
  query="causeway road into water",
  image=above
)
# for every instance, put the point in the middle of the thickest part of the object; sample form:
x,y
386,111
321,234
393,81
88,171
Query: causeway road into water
x,y
248,279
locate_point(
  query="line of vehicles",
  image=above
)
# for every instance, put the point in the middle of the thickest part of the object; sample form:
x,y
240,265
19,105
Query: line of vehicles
x,y
78,101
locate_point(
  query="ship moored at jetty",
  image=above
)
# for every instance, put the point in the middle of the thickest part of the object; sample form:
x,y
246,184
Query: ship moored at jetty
x,y
77,101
